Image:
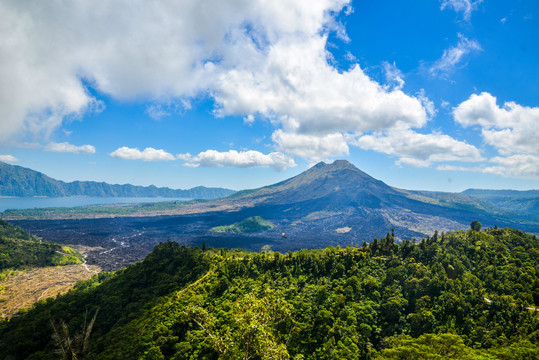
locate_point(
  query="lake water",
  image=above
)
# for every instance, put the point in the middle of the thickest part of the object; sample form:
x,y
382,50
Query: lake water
x,y
47,202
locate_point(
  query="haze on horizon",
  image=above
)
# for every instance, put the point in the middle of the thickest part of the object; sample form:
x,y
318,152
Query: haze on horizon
x,y
435,95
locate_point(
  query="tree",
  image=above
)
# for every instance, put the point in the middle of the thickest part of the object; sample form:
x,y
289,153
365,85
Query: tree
x,y
475,225
72,348
431,347
252,333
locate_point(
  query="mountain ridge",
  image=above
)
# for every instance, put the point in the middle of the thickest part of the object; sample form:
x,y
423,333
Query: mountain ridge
x,y
19,181
523,201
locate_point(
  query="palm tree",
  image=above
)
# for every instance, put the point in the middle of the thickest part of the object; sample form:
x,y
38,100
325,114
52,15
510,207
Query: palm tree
x,y
72,348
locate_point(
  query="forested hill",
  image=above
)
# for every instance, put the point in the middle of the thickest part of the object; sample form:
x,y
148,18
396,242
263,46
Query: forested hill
x,y
461,295
526,202
24,182
18,249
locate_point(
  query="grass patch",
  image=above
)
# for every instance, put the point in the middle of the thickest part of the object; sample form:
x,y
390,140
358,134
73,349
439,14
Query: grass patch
x,y
249,225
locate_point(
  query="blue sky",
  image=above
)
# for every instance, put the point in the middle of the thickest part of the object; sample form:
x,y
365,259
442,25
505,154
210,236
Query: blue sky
x,y
433,95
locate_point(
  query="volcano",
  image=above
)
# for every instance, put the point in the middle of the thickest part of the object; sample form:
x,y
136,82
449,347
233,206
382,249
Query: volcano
x,y
340,204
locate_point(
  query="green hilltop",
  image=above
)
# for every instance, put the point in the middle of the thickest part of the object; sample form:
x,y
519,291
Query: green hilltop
x,y
19,250
460,295
249,225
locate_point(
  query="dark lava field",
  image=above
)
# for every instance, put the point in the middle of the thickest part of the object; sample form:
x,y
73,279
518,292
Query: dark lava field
x,y
125,240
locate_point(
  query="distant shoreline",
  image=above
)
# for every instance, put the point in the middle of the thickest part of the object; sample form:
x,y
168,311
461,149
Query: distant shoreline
x,y
45,202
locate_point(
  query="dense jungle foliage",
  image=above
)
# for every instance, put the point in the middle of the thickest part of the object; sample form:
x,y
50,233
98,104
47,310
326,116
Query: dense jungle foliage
x,y
18,250
463,295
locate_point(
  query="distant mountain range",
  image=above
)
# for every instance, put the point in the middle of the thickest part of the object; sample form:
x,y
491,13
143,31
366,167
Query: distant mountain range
x,y
23,182
526,202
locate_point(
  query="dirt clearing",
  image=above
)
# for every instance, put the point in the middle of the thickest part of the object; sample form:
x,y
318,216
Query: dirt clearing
x,y
25,288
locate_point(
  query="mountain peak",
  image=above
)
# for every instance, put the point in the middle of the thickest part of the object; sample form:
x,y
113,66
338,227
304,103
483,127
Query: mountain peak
x,y
326,180
343,164
323,169
336,165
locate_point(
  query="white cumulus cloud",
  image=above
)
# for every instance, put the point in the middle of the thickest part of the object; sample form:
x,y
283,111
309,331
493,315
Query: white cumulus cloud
x,y
417,149
255,58
512,128
148,154
67,147
8,158
311,147
524,166
296,87
135,49
240,159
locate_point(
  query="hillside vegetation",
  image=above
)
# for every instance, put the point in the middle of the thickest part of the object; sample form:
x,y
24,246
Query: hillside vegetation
x,y
461,295
249,225
18,249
